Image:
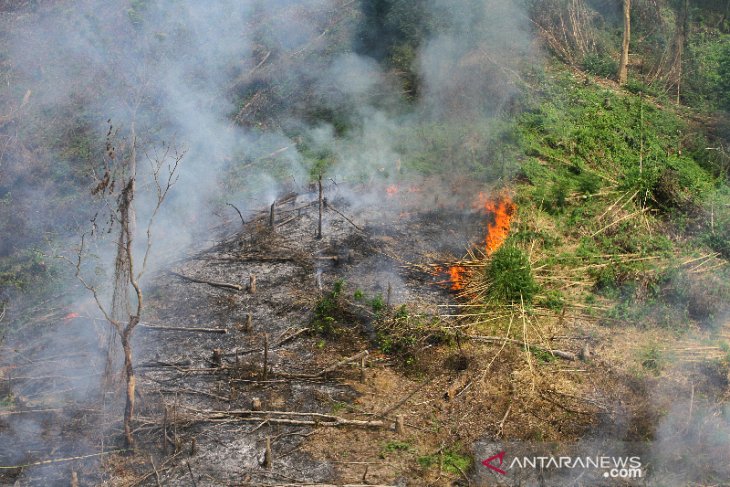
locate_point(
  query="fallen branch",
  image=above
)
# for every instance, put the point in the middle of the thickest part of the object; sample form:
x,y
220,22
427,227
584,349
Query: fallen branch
x,y
395,406
60,460
222,331
224,285
317,485
282,340
42,411
492,339
318,419
330,207
341,363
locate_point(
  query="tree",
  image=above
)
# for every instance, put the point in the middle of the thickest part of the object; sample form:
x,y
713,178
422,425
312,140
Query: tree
x,y
623,66
116,187
680,40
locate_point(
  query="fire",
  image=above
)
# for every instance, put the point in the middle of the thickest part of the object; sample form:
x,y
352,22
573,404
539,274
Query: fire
x,y
456,276
391,190
501,210
71,316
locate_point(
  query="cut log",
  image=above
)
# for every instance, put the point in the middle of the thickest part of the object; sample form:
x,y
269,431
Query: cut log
x,y
268,456
252,284
400,423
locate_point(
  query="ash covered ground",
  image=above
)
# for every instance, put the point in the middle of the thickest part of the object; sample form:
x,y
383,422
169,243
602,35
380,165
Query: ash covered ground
x,y
198,389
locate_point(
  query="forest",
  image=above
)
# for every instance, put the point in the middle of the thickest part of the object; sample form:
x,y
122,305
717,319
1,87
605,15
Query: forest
x,y
365,242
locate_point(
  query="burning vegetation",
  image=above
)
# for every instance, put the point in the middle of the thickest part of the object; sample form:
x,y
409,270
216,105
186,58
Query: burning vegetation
x,y
308,314
498,213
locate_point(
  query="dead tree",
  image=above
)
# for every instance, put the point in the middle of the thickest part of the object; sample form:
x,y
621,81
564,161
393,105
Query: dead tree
x,y
117,190
321,207
623,67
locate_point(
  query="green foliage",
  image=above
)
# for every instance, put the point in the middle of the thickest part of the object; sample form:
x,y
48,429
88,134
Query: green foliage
x,y
402,336
723,77
652,360
509,275
377,304
452,460
542,355
554,300
396,446
328,310
668,298
28,269
483,150
600,65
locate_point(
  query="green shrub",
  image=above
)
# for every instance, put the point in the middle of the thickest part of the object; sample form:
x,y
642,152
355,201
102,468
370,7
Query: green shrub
x,y
652,360
328,310
510,276
451,459
600,65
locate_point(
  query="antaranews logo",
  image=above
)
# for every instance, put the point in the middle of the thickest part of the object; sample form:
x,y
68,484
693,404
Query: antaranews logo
x,y
499,456
614,467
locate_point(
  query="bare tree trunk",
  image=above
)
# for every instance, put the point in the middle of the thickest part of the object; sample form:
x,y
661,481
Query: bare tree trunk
x,y
321,205
121,303
623,68
681,39
131,385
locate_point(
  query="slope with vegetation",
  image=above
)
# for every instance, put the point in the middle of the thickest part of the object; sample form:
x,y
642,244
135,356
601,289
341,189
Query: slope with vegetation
x,y
610,296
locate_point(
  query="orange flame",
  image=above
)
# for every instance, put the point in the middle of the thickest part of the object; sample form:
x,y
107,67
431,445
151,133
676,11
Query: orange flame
x,y
500,212
456,276
71,316
391,190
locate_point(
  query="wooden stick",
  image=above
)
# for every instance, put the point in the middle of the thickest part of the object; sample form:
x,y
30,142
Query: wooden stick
x,y
330,207
252,284
192,477
300,422
243,222
556,353
222,331
157,474
400,427
268,457
265,371
223,285
272,215
287,221
59,460
321,206
395,406
339,364
363,374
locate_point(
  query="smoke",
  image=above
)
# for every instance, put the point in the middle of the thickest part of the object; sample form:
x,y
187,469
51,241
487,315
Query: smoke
x,y
692,444
260,95
183,71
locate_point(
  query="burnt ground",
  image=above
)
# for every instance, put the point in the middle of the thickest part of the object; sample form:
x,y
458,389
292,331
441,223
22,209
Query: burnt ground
x,y
196,423
180,381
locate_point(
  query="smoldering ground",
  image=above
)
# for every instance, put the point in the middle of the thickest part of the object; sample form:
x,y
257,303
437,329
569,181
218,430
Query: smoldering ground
x,y
179,73
263,97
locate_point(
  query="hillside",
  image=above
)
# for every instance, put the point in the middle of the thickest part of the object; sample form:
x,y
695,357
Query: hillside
x,y
364,243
